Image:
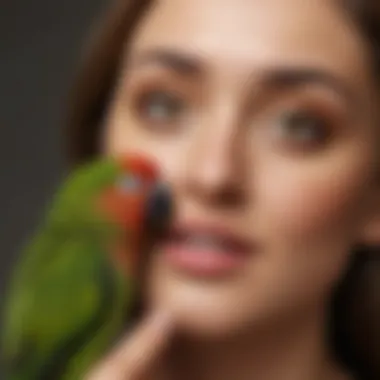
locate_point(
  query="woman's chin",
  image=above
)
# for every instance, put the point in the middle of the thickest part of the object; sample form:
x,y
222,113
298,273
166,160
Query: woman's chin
x,y
199,309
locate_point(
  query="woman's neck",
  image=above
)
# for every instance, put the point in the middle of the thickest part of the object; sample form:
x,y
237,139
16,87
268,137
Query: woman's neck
x,y
296,352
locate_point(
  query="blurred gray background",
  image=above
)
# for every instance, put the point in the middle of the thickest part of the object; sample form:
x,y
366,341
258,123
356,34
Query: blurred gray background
x,y
40,42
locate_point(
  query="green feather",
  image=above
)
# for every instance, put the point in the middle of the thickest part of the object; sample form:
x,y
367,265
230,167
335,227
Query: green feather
x,y
66,301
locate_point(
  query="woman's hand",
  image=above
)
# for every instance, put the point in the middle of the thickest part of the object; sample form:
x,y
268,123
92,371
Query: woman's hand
x,y
135,356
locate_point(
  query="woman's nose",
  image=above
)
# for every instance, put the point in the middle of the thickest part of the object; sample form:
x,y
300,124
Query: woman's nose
x,y
215,165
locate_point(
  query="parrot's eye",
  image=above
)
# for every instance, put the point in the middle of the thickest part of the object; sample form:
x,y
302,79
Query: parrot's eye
x,y
129,184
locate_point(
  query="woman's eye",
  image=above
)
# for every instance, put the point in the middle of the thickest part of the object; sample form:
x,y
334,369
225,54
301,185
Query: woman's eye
x,y
160,107
303,127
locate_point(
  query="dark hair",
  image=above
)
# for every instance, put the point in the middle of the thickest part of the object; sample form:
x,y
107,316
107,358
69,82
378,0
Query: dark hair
x,y
355,314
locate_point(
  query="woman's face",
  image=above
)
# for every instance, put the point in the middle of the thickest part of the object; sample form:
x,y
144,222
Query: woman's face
x,y
259,114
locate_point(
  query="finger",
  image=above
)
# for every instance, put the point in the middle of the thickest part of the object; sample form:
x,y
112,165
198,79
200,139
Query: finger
x,y
137,353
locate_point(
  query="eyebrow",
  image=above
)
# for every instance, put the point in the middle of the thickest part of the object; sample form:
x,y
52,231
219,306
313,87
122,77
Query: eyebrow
x,y
284,77
293,77
179,62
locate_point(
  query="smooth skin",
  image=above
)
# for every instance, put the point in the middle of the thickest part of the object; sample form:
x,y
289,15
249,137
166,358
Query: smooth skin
x,y
261,115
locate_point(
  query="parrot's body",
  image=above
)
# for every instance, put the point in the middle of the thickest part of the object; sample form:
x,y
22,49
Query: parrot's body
x,y
73,288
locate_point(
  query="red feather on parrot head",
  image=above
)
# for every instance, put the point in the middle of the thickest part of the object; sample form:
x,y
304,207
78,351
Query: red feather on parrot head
x,y
128,208
141,165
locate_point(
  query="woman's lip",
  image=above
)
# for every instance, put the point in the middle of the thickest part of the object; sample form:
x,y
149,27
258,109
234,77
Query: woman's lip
x,y
233,239
208,263
208,260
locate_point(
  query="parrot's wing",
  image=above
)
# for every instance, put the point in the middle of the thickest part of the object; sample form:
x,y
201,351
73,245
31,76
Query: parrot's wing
x,y
59,307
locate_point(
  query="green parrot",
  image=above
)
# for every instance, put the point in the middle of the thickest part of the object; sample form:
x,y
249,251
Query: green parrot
x,y
73,289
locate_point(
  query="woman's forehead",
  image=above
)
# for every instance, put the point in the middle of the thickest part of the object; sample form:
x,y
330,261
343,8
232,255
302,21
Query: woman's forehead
x,y
242,36
212,21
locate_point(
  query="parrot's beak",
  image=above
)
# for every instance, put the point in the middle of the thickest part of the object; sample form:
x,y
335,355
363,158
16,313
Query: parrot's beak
x,y
159,209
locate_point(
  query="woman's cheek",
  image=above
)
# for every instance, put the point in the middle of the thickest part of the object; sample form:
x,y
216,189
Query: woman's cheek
x,y
313,203
306,220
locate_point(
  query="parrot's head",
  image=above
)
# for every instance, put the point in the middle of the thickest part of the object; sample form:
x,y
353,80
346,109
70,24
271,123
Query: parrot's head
x,y
138,202
137,197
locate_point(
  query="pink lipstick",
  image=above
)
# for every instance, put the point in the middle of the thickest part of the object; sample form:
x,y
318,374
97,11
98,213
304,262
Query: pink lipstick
x,y
201,249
